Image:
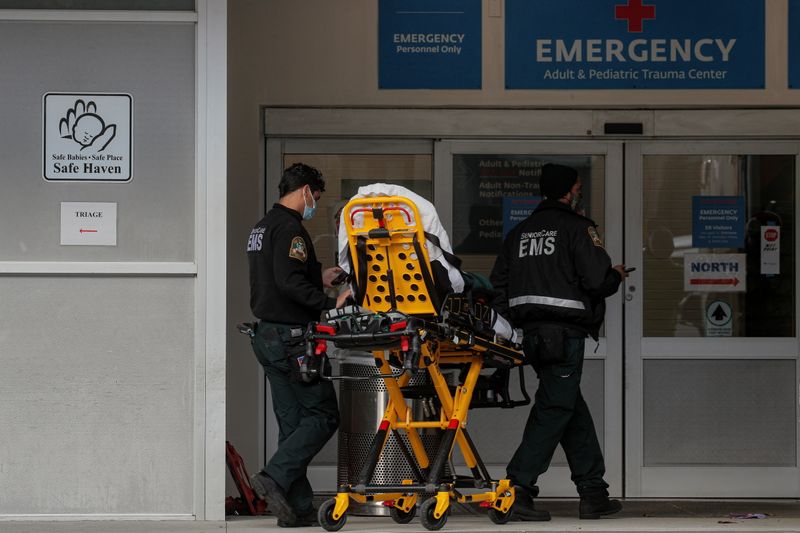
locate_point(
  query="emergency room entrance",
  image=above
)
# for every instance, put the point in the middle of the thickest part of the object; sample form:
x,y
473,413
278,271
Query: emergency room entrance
x,y
693,384
710,320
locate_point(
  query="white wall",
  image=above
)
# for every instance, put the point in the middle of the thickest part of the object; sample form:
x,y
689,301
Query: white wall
x,y
112,380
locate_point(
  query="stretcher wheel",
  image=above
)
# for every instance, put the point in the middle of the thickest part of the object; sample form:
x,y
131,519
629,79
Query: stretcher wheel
x,y
499,517
402,517
325,516
426,515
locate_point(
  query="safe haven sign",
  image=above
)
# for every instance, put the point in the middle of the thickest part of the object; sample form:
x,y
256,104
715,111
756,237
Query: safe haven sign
x,y
87,137
635,44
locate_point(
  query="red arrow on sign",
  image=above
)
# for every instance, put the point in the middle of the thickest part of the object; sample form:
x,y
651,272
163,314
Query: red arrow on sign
x,y
88,230
731,281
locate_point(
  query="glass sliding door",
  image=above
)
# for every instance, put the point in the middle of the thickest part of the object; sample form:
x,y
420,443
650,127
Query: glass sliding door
x,y
483,189
711,320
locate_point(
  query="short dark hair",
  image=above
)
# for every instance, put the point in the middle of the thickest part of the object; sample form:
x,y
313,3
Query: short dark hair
x,y
298,176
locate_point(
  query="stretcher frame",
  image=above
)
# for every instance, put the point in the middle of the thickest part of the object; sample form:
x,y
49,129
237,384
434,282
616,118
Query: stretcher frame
x,y
421,333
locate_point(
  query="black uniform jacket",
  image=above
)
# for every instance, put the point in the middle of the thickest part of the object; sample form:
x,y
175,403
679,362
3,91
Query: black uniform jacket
x,y
285,276
553,269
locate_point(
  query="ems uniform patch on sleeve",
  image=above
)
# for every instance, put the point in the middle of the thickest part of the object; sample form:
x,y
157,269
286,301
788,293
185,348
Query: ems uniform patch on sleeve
x,y
595,237
297,250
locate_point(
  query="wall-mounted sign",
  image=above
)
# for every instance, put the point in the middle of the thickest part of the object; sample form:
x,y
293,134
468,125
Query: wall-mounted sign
x,y
794,44
87,137
719,319
715,272
515,210
718,221
429,44
635,44
770,250
88,224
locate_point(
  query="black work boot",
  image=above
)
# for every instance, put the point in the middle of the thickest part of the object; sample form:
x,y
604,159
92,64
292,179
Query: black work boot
x,y
596,504
273,494
524,510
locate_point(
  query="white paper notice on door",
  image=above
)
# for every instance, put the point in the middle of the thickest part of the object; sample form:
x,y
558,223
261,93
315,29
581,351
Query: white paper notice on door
x,y
770,249
88,224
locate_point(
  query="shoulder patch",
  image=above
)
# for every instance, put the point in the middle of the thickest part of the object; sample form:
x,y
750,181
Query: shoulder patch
x,y
297,250
594,236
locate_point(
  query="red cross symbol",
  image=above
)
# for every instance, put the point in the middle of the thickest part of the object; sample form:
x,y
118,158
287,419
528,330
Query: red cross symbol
x,y
635,13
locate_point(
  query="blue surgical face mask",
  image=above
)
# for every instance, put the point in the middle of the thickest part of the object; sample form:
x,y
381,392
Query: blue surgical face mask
x,y
577,202
308,212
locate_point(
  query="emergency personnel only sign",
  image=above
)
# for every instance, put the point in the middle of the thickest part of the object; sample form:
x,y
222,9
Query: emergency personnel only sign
x,y
87,137
635,44
715,272
429,44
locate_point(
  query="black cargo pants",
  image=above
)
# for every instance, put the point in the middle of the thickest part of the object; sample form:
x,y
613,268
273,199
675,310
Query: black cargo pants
x,y
307,414
559,416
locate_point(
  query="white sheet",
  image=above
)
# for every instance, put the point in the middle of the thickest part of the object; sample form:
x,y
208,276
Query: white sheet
x,y
430,223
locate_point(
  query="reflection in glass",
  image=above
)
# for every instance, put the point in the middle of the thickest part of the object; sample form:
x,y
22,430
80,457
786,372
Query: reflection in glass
x,y
492,193
763,306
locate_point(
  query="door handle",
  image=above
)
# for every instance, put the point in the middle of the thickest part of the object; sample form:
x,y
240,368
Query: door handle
x,y
629,295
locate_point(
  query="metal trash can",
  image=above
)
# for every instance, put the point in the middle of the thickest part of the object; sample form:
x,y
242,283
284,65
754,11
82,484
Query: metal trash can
x,y
361,406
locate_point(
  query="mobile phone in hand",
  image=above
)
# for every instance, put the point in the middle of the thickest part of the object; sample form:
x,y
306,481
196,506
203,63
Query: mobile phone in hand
x,y
629,269
341,278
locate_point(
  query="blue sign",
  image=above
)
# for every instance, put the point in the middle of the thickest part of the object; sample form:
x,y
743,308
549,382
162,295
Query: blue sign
x,y
635,44
718,221
517,209
429,44
794,43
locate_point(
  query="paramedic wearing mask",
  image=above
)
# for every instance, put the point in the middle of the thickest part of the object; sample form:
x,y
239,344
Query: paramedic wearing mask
x,y
554,275
286,293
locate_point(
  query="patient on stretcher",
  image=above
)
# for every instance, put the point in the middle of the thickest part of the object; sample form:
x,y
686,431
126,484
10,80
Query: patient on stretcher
x,y
446,274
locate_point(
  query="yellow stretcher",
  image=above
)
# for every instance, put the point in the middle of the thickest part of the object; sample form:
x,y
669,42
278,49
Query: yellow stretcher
x,y
409,327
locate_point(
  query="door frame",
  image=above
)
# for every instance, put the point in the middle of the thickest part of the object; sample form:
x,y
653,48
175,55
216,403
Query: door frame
x,y
556,481
691,481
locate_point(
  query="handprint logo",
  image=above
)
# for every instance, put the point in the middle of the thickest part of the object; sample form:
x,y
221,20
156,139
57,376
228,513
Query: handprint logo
x,y
83,125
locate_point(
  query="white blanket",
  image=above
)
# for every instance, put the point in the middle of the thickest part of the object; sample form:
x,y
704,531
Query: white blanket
x,y
430,223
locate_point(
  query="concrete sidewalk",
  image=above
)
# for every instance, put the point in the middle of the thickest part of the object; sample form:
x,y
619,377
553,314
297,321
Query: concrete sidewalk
x,y
637,516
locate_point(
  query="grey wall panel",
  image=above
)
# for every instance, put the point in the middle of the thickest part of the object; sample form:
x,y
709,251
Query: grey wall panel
x,y
97,395
154,63
706,412
154,5
498,432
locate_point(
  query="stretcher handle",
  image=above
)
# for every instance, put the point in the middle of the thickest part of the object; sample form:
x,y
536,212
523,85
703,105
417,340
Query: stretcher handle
x,y
354,212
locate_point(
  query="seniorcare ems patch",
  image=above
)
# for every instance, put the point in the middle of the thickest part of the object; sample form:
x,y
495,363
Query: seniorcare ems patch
x,y
635,44
297,250
595,236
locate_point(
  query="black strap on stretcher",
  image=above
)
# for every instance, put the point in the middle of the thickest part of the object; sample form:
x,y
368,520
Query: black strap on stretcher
x,y
426,277
450,258
361,276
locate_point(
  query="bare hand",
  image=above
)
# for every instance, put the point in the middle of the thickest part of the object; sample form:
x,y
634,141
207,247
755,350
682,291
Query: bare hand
x,y
328,275
621,270
342,297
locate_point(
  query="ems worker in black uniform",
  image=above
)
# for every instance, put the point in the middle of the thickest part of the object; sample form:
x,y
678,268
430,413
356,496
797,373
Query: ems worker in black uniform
x,y
286,293
554,275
